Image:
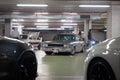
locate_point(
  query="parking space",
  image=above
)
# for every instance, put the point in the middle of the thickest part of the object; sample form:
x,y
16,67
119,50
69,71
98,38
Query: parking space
x,y
60,67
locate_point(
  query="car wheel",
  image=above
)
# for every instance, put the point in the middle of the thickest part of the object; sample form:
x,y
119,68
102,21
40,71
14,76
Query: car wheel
x,y
28,67
48,53
99,69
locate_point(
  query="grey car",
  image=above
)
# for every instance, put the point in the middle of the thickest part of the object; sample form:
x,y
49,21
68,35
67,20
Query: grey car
x,y
64,43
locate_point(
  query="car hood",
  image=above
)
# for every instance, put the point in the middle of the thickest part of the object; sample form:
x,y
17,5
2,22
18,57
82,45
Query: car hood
x,y
12,47
109,44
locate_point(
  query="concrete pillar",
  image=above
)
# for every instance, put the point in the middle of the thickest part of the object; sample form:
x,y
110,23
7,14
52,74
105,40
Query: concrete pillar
x,y
90,24
113,22
75,30
7,29
1,30
86,29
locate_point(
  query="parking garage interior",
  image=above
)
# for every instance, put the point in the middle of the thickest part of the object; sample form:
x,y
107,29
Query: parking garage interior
x,y
51,17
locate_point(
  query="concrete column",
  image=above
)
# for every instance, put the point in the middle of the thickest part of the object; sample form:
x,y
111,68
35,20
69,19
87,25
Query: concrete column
x,y
90,24
86,29
1,30
75,30
7,29
113,22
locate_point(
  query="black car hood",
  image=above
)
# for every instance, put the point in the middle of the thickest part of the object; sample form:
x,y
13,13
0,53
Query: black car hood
x,y
11,47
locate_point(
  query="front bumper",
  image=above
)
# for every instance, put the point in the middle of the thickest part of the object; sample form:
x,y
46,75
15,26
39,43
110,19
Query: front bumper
x,y
56,49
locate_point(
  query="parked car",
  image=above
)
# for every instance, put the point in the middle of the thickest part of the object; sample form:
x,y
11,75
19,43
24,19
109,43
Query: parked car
x,y
32,38
103,61
64,43
17,60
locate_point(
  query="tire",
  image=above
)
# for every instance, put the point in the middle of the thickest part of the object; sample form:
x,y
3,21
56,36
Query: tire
x,y
99,69
28,67
48,53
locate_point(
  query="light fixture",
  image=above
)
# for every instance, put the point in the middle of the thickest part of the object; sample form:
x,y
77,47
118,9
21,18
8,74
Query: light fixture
x,y
42,26
18,26
70,13
42,20
66,26
95,6
17,20
63,20
32,5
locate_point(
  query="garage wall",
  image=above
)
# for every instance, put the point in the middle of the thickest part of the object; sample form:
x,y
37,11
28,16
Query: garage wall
x,y
48,35
98,35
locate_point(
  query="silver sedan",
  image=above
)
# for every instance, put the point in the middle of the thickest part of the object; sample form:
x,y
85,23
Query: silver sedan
x,y
64,43
103,61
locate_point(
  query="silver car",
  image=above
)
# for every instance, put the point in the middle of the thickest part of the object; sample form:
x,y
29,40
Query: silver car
x,y
103,61
64,43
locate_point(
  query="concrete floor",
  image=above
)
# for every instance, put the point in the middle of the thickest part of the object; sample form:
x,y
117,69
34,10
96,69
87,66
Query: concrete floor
x,y
58,67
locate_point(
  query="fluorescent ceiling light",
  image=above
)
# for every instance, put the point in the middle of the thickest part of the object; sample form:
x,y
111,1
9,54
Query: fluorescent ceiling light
x,y
95,6
42,20
32,5
42,26
66,26
66,20
17,20
18,26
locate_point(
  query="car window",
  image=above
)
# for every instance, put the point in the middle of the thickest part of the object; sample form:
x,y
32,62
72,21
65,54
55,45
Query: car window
x,y
23,36
77,38
32,37
65,37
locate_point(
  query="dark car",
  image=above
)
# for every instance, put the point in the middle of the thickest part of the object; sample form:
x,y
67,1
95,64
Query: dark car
x,y
17,60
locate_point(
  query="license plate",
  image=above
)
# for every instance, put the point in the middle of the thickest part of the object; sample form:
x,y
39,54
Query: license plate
x,y
55,51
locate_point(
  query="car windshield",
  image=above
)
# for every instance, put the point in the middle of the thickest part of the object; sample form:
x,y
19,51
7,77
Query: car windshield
x,y
23,36
64,37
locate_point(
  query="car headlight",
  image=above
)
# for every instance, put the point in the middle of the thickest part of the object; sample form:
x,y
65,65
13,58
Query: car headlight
x,y
93,42
45,45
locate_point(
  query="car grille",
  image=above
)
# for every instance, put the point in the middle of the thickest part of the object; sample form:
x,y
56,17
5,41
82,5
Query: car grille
x,y
55,45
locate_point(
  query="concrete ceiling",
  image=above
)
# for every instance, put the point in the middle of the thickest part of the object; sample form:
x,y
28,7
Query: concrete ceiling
x,y
55,10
